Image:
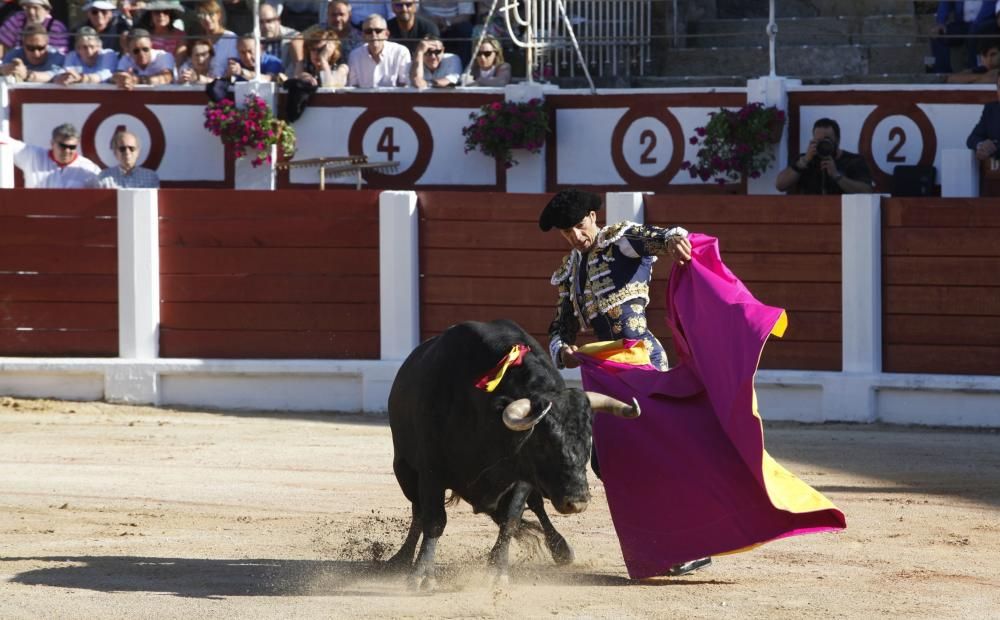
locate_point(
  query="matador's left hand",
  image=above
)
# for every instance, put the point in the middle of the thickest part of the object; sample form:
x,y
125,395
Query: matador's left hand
x,y
679,249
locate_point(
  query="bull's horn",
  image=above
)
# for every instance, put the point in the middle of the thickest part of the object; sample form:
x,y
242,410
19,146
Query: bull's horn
x,y
517,416
602,402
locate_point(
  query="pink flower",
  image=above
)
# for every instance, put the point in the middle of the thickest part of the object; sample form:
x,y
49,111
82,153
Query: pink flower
x,y
496,106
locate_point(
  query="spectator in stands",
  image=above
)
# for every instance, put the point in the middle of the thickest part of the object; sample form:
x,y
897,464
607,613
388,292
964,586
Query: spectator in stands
x,y
101,19
338,19
825,168
298,14
34,12
212,23
985,136
986,70
454,21
324,65
35,60
243,67
409,28
198,67
281,41
89,63
432,67
160,18
380,62
490,68
143,64
60,166
956,19
127,174
239,15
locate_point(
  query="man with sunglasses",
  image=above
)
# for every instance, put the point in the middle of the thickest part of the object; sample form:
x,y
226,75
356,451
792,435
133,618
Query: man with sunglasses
x,y
35,61
432,67
409,28
127,174
380,62
34,12
141,64
59,167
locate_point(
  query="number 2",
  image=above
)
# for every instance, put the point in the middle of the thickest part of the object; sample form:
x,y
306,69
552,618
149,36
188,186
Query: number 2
x,y
894,156
650,136
386,143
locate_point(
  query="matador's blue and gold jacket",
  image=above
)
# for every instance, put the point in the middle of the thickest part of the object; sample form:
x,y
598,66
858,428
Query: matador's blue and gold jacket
x,y
607,289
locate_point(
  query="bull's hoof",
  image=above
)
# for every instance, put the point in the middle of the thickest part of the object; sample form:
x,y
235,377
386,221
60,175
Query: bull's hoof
x,y
562,553
430,584
501,579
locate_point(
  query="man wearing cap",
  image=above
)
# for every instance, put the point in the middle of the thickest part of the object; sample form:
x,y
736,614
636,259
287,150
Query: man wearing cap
x,y
34,12
101,19
34,61
127,174
59,167
89,63
604,281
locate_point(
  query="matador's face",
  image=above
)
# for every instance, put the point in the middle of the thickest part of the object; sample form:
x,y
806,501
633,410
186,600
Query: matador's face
x,y
583,235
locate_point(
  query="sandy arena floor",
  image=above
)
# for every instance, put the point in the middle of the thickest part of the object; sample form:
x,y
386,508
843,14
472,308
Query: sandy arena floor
x,y
127,512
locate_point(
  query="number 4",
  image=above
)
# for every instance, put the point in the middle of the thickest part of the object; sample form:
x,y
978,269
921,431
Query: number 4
x,y
386,143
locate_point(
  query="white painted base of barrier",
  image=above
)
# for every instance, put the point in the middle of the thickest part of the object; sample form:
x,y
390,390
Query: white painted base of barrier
x,y
363,386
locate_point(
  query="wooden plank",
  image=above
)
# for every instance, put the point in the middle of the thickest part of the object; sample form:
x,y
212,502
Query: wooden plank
x,y
292,231
61,203
941,212
59,231
270,316
56,343
57,259
939,330
937,243
341,261
673,211
942,300
436,318
944,270
791,267
58,315
228,344
482,206
487,291
940,359
59,287
485,263
209,204
798,296
780,355
256,288
489,236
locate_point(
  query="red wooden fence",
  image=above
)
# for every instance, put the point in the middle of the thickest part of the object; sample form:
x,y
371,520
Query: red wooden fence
x,y
292,274
58,273
941,286
786,249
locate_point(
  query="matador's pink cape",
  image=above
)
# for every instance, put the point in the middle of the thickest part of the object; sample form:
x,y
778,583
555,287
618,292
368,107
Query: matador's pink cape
x,y
690,477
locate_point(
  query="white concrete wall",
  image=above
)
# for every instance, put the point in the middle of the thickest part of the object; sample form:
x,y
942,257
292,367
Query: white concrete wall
x,y
862,393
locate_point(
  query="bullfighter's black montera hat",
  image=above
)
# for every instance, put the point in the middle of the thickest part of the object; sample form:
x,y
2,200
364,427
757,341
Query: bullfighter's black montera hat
x,y
567,208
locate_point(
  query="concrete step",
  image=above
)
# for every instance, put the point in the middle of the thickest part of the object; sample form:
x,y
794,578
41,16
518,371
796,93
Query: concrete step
x,y
881,29
832,60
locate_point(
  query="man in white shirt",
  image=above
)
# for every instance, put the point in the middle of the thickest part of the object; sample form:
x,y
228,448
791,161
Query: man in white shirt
x,y
432,67
89,63
60,167
380,62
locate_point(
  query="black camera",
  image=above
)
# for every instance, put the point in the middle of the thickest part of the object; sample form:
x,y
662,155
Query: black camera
x,y
826,147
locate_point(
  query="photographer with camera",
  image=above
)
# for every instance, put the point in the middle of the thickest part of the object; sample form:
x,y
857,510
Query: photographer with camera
x,y
825,168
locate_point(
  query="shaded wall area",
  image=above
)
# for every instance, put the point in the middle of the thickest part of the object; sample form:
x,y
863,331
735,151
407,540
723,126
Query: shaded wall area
x,y
58,273
941,286
269,275
786,249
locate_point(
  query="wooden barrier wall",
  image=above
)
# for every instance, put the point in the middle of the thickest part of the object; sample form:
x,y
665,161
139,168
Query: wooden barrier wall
x,y
941,286
58,273
786,249
482,257
269,275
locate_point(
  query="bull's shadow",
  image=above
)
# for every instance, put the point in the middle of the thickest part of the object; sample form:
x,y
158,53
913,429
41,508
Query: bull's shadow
x,y
214,578
211,578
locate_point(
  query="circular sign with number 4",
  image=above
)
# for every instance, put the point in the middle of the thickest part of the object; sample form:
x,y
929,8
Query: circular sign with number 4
x,y
401,136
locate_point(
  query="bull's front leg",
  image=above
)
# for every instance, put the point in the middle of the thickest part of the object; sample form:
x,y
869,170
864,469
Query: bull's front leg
x,y
404,557
561,552
433,519
508,517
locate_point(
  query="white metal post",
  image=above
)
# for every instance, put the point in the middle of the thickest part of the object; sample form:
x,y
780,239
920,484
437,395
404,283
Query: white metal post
x,y
624,206
399,274
138,274
959,174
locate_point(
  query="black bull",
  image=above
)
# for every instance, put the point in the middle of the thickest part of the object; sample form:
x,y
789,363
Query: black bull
x,y
499,451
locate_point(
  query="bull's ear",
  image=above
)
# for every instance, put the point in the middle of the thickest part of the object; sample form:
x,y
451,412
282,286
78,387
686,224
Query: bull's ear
x,y
602,402
518,415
